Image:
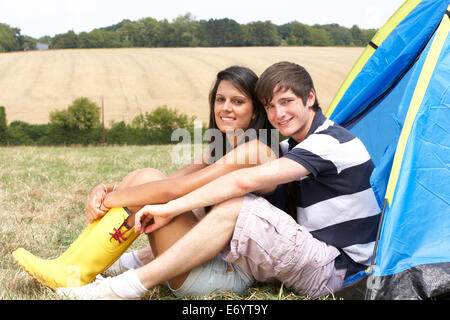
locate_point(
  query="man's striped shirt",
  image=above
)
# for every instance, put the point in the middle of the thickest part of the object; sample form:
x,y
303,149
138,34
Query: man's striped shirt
x,y
335,202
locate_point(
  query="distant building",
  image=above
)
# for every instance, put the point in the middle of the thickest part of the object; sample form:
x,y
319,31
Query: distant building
x,y
42,46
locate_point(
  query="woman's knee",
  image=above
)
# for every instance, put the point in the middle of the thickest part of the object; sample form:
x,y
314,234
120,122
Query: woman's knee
x,y
149,174
141,176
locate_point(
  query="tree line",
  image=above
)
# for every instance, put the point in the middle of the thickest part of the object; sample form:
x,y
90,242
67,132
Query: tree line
x,y
80,124
12,40
185,31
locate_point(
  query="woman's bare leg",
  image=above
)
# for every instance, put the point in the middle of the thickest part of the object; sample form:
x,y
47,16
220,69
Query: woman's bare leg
x,y
135,178
161,239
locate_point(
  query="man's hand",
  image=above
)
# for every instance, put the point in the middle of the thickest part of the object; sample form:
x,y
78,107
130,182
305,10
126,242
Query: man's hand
x,y
151,218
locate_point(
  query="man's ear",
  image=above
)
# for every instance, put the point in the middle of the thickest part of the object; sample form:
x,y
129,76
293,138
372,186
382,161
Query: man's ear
x,y
311,98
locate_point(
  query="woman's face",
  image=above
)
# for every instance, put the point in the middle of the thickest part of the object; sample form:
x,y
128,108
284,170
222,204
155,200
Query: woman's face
x,y
232,109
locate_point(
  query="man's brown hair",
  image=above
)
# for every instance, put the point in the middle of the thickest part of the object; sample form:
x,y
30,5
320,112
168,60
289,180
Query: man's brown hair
x,y
284,76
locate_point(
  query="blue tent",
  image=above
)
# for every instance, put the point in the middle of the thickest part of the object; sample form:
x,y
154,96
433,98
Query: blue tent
x,y
396,99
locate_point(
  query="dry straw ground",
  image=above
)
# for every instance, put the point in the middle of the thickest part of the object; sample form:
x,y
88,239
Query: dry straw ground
x,y
133,81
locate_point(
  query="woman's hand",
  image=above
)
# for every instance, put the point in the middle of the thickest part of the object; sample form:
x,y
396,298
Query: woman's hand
x,y
94,208
152,217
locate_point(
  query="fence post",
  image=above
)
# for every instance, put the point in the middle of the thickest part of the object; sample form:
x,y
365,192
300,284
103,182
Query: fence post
x,y
103,124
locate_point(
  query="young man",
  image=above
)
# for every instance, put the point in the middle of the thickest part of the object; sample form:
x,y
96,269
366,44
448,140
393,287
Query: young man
x,y
331,234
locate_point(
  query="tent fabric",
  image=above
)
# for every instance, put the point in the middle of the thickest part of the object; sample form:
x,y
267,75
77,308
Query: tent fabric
x,y
379,37
398,105
393,56
416,230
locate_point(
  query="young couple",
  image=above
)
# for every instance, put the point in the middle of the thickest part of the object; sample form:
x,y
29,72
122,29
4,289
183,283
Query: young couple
x,y
307,218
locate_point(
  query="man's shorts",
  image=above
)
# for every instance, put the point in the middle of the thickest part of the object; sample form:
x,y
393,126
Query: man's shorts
x,y
268,245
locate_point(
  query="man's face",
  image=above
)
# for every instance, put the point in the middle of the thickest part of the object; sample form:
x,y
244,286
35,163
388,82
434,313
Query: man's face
x,y
289,114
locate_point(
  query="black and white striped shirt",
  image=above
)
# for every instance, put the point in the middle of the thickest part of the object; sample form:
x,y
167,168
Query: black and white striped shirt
x,y
335,202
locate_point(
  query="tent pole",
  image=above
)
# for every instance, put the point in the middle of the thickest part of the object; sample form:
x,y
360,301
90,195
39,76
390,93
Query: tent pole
x,y
372,262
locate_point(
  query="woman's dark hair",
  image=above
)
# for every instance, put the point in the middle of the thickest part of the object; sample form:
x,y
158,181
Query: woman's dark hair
x,y
244,80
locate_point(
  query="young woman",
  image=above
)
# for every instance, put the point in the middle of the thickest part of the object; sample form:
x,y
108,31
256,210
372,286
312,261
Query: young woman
x,y
238,116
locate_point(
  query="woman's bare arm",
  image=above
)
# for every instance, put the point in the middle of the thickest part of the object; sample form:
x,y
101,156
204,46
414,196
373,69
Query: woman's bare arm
x,y
246,155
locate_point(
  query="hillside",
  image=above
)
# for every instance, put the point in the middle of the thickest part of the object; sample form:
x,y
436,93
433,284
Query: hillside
x,y
133,81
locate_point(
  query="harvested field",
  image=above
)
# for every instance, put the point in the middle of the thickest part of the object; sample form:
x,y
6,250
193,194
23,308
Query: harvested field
x,y
133,81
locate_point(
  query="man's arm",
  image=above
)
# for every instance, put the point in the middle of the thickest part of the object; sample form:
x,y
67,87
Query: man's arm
x,y
231,185
176,185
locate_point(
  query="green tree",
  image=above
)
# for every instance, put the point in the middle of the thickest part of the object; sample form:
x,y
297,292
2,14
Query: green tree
x,y
99,39
166,31
130,35
3,126
222,32
10,39
185,31
340,36
157,126
148,33
84,114
80,123
357,36
261,34
18,133
66,40
284,31
300,34
23,133
319,37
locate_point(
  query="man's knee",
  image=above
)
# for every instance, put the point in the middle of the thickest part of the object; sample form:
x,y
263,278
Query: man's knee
x,y
227,210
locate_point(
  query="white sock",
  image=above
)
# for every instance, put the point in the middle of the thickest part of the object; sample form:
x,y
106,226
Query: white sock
x,y
130,260
127,285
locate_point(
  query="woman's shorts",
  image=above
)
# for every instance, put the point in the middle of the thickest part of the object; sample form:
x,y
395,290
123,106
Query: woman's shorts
x,y
215,274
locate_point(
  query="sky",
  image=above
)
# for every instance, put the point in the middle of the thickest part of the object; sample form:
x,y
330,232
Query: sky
x,y
37,18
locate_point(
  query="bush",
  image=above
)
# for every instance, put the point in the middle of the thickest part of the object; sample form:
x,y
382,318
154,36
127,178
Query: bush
x,y
80,124
23,133
122,133
3,126
157,127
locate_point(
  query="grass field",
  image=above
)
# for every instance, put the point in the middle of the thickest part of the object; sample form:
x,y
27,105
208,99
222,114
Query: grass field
x,y
134,81
43,191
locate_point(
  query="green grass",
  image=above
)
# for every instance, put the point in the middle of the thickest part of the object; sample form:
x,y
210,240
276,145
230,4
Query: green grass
x,y
43,192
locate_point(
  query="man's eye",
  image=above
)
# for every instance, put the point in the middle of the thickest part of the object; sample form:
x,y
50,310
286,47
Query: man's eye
x,y
286,101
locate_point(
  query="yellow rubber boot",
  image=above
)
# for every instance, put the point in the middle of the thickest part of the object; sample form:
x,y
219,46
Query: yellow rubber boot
x,y
80,238
28,260
99,248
